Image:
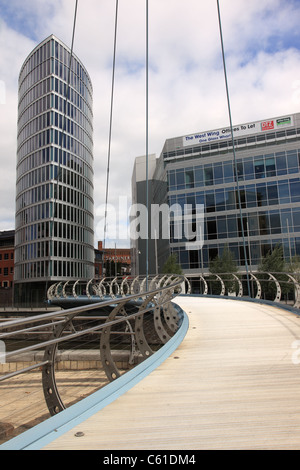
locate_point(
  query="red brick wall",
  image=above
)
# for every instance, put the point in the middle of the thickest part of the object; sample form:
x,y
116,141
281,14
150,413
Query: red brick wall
x,y
6,266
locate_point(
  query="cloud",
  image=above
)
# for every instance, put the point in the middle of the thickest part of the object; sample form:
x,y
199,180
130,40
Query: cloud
x,y
14,48
186,80
27,17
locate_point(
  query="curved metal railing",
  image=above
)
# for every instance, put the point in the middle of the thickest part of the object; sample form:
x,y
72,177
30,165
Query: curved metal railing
x,y
136,315
276,287
272,286
102,289
113,325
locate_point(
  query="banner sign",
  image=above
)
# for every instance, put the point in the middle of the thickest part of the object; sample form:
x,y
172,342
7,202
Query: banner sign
x,y
238,131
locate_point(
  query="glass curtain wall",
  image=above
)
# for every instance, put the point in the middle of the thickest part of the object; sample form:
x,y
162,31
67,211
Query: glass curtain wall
x,y
54,188
269,186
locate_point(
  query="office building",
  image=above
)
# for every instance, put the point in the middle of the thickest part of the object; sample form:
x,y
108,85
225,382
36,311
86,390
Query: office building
x,y
158,247
115,260
54,237
199,170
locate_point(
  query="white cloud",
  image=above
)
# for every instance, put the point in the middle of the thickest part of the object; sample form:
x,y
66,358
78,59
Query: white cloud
x,y
14,48
186,81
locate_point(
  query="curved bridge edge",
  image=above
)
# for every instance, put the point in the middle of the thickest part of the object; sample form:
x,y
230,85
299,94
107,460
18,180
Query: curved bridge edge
x,y
44,433
283,306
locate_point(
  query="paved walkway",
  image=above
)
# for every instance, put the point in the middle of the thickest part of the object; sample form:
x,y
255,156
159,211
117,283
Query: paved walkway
x,y
234,383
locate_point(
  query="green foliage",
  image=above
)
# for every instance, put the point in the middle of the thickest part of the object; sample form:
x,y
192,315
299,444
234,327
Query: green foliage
x,y
274,263
172,266
224,264
293,266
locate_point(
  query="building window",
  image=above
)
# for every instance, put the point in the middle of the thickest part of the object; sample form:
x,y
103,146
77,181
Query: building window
x,y
189,178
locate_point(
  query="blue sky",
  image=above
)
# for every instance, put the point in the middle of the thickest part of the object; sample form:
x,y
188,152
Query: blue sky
x,y
186,82
18,20
25,16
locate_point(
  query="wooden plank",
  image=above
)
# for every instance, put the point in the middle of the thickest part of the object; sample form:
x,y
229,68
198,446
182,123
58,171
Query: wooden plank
x,y
232,384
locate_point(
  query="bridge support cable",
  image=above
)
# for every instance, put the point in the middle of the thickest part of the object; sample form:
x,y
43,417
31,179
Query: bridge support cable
x,y
62,133
233,149
110,122
67,98
147,141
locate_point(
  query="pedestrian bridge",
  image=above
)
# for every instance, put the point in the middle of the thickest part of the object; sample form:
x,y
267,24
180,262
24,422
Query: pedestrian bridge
x,y
228,379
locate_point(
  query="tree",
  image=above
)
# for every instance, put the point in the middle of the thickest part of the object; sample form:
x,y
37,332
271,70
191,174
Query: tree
x,y
224,264
172,266
293,266
274,262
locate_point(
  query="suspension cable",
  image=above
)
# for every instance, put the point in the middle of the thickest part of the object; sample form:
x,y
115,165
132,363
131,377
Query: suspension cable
x,y
233,148
67,98
62,133
147,140
110,123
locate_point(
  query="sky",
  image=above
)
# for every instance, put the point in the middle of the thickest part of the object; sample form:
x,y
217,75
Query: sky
x,y
186,84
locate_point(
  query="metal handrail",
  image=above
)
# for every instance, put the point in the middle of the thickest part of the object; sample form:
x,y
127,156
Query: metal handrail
x,y
124,308
57,294
109,302
261,279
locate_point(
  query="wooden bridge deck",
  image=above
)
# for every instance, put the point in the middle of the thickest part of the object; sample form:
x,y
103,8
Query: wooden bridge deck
x,y
233,383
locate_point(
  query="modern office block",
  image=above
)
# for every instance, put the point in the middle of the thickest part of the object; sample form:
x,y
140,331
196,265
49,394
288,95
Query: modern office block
x,y
141,228
54,232
199,170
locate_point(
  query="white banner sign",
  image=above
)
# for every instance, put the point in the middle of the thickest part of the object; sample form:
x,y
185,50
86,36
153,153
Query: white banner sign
x,y
238,131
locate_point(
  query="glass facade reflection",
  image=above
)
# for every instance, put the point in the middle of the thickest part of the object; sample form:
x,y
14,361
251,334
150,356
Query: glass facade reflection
x,y
199,169
268,173
54,189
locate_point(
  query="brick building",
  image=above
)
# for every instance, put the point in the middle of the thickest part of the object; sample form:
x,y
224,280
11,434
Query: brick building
x,y
7,239
116,259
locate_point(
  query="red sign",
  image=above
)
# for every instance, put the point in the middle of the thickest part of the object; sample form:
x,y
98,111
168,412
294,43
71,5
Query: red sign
x,y
267,125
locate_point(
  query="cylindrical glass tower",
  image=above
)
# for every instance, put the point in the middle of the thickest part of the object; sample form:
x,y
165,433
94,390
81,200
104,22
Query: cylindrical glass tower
x,y
54,238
